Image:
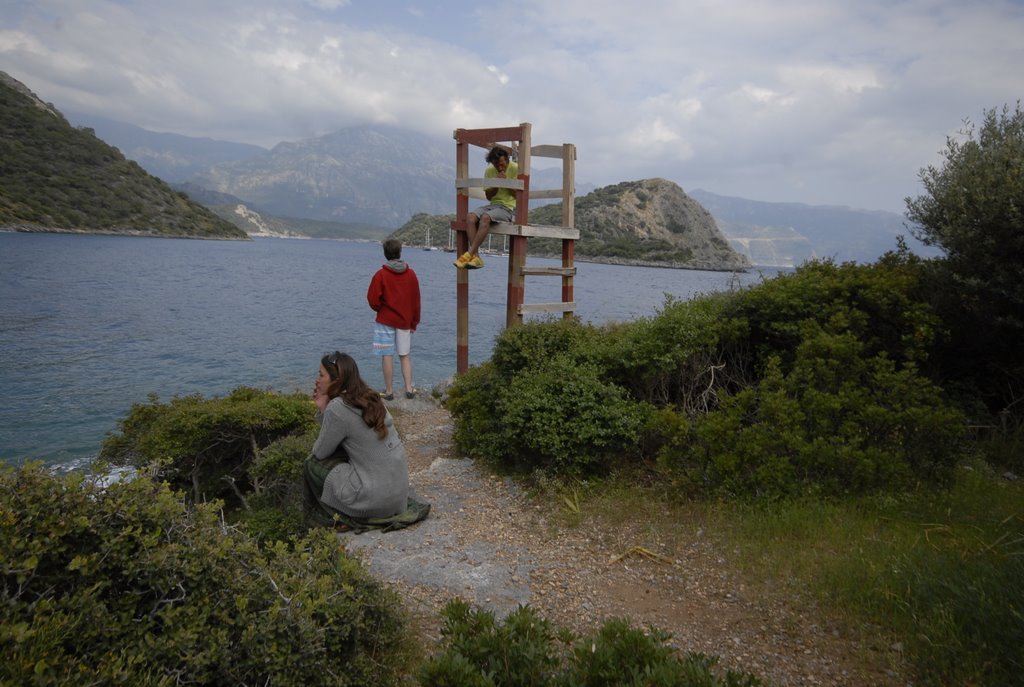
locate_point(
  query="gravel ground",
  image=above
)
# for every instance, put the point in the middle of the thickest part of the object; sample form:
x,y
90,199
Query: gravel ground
x,y
488,543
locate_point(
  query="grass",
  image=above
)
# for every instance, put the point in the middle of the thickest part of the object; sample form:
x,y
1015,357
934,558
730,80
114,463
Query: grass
x,y
940,571
935,576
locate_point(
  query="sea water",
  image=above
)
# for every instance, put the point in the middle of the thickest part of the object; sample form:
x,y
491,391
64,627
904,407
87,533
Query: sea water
x,y
91,324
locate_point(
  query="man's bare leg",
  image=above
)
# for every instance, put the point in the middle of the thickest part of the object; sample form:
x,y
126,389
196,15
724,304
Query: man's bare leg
x,y
480,234
387,362
406,362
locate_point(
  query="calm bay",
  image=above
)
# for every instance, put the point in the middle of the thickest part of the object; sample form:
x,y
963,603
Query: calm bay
x,y
91,324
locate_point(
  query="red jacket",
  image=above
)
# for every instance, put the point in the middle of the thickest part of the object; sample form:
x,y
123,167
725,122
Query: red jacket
x,y
394,294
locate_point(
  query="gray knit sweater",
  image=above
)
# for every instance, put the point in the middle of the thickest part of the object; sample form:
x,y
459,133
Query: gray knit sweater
x,y
374,483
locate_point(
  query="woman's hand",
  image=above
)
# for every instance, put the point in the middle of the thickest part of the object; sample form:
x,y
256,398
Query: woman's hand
x,y
320,395
320,398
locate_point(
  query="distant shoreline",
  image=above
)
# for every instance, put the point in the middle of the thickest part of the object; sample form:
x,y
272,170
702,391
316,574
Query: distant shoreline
x,y
33,229
623,262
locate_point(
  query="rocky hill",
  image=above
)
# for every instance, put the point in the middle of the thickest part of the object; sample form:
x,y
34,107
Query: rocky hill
x,y
54,177
647,222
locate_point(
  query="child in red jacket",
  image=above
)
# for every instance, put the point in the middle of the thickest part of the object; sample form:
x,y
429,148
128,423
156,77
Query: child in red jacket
x,y
394,294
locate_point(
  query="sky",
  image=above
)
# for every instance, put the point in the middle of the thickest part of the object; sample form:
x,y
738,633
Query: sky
x,y
832,102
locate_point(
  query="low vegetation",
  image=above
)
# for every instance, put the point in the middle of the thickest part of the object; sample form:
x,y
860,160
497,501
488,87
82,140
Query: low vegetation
x,y
124,584
526,651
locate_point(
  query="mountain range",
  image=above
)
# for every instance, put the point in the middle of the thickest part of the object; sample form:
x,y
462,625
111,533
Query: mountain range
x,y
363,182
787,234
385,176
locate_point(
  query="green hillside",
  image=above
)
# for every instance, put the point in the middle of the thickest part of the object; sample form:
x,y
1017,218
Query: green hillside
x,y
54,177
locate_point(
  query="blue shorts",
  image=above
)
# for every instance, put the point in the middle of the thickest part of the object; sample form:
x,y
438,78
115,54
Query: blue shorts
x,y
387,340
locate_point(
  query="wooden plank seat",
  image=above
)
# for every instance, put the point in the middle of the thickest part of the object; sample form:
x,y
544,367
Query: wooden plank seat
x,y
539,231
534,308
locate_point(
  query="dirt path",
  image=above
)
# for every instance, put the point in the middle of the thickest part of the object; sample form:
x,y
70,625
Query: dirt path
x,y
487,543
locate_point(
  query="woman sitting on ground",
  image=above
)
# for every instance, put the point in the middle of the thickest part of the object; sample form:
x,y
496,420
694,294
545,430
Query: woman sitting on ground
x,y
357,474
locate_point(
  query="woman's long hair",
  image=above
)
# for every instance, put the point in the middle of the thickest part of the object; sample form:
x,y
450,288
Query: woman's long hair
x,y
346,382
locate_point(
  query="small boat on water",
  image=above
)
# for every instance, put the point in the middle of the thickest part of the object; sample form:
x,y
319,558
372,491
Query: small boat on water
x,y
491,251
451,242
428,246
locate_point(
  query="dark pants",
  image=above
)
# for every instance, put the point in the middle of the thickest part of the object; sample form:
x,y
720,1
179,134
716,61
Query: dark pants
x,y
314,472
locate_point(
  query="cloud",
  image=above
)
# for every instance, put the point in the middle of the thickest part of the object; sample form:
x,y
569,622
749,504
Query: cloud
x,y
832,102
501,76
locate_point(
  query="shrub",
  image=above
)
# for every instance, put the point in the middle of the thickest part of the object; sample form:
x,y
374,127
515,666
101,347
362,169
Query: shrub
x,y
472,401
206,446
532,345
619,654
124,583
275,510
838,422
879,304
815,382
682,356
526,650
542,402
565,418
480,650
558,414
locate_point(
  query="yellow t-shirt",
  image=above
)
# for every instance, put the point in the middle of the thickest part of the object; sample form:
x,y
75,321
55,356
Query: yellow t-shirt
x,y
504,196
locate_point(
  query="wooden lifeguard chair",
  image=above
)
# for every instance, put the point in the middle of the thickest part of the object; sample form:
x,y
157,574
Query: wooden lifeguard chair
x,y
518,232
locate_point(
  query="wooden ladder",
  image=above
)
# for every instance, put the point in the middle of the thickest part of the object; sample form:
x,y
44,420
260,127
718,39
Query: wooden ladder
x,y
519,231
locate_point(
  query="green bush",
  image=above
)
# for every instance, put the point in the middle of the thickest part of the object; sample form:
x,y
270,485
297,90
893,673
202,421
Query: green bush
x,y
559,415
275,509
839,422
815,382
880,304
205,447
682,356
565,418
126,584
530,346
481,650
526,651
472,401
546,400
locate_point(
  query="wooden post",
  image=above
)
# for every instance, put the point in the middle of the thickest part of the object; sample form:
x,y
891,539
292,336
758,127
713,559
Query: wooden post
x,y
461,246
518,244
568,220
